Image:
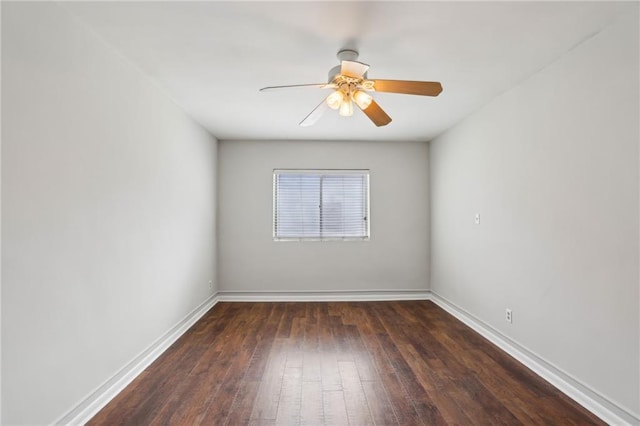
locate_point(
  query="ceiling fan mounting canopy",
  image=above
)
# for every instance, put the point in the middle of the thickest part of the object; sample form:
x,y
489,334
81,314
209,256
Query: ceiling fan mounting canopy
x,y
347,55
350,85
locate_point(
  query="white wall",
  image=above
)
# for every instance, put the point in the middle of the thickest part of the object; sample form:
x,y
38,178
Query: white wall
x,y
108,213
552,167
395,258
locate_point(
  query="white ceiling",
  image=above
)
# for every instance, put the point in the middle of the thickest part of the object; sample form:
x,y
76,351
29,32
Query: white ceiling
x,y
212,57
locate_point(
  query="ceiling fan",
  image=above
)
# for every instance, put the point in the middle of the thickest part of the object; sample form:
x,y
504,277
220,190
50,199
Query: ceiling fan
x,y
349,84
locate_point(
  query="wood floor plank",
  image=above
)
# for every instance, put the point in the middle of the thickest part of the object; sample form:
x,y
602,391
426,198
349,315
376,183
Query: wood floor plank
x,y
266,403
356,402
441,395
211,388
311,371
366,368
335,363
290,401
224,396
312,412
401,403
330,372
311,340
240,412
424,405
334,407
379,404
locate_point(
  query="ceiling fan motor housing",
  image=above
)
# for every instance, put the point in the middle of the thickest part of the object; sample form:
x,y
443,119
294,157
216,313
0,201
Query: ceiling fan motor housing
x,y
333,72
344,55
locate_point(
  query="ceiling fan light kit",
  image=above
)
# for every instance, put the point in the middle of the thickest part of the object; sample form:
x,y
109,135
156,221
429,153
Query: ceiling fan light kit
x,y
350,84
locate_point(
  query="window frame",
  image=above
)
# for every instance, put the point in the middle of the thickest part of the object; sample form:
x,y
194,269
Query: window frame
x,y
322,172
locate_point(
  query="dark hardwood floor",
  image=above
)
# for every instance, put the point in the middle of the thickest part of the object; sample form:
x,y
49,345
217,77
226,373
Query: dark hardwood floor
x,y
354,363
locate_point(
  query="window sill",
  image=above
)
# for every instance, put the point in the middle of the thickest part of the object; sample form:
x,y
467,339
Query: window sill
x,y
320,240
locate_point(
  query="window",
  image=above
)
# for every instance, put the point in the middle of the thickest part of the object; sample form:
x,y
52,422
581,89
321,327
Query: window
x,y
320,204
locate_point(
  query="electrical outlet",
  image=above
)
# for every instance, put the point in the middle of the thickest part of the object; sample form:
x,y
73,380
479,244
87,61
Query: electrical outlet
x,y
508,316
477,218
210,285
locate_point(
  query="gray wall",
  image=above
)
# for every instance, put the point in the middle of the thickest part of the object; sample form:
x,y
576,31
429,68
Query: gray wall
x,y
552,167
108,213
395,258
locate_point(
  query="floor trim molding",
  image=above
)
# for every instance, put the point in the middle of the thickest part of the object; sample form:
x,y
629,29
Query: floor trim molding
x,y
323,296
582,394
96,400
591,400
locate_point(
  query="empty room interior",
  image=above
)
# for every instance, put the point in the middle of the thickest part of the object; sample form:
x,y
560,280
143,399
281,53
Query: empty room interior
x,y
320,213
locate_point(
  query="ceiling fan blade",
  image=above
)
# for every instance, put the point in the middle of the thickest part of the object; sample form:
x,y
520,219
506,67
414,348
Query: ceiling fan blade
x,y
299,86
315,115
377,114
423,88
353,69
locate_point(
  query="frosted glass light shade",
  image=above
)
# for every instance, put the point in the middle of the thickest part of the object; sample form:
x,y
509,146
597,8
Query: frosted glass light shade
x,y
363,99
335,99
346,108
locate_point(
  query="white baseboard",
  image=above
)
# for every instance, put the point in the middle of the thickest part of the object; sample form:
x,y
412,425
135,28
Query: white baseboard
x,y
599,405
322,296
582,394
96,400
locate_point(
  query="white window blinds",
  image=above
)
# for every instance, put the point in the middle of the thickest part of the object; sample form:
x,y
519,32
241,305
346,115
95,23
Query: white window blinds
x,y
320,204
